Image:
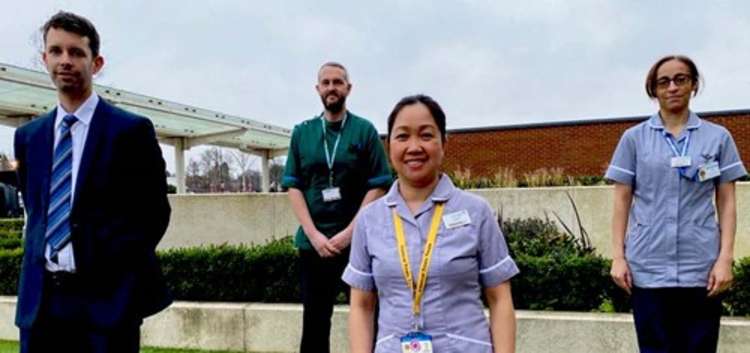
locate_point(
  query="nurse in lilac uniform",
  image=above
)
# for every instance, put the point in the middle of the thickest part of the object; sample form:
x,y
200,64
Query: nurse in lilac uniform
x,y
668,250
469,256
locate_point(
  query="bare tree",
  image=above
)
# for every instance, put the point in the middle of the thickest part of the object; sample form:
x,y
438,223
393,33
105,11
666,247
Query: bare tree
x,y
243,162
214,164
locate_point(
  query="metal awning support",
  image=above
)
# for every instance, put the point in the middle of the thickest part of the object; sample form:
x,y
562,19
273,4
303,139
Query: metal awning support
x,y
265,175
179,164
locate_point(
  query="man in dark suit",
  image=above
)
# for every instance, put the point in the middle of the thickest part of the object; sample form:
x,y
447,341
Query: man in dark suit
x,y
93,183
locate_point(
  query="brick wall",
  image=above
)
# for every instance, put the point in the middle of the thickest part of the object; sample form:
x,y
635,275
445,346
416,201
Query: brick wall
x,y
580,148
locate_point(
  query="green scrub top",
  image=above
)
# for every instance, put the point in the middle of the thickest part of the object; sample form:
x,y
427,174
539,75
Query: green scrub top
x,y
359,165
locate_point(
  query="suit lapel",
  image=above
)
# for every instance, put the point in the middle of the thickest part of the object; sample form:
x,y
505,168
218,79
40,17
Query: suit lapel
x,y
93,140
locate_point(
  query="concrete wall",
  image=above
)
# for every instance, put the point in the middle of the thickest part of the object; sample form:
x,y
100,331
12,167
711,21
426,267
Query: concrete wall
x,y
276,328
199,219
255,218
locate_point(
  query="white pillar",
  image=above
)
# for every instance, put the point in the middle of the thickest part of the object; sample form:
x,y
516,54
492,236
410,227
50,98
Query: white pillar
x,y
179,164
265,174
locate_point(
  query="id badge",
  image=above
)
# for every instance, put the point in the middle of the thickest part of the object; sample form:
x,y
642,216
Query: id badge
x,y
679,162
416,342
709,171
456,219
331,194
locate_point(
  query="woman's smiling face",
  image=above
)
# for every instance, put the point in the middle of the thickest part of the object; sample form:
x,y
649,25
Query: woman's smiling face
x,y
416,146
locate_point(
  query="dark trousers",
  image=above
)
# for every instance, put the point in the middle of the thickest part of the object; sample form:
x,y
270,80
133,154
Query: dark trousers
x,y
676,320
320,284
61,325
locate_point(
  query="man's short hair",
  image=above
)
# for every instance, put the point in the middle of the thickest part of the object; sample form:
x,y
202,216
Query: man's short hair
x,y
334,64
73,23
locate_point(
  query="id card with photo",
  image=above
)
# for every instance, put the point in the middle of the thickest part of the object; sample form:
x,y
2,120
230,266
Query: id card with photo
x,y
709,171
416,342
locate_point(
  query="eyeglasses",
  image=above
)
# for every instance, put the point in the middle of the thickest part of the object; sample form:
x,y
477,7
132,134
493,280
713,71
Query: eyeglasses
x,y
680,80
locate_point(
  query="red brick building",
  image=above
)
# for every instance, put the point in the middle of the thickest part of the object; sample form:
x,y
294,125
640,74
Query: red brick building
x,y
579,147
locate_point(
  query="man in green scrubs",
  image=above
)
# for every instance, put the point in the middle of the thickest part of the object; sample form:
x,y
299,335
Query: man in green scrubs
x,y
336,165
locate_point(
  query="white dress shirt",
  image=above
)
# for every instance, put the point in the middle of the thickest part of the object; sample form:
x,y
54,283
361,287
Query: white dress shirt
x,y
79,132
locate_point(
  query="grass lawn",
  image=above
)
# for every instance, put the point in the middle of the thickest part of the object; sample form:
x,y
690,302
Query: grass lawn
x,y
12,347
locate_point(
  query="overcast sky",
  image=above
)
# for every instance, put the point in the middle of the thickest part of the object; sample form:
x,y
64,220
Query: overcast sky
x,y
488,63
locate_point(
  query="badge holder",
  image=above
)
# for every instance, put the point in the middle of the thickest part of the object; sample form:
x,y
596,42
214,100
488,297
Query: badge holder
x,y
416,342
709,171
331,193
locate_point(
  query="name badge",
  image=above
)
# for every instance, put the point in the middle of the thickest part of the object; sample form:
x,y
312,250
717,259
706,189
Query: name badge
x,y
679,162
709,171
416,342
456,219
331,194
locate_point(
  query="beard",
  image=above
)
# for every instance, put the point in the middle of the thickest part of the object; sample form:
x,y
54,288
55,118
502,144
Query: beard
x,y
336,106
69,84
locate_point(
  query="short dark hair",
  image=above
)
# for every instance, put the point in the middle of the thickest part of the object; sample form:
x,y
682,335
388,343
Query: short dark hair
x,y
651,77
73,23
334,64
435,110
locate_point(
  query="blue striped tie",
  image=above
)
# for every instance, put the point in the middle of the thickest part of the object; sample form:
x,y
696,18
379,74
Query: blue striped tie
x,y
58,212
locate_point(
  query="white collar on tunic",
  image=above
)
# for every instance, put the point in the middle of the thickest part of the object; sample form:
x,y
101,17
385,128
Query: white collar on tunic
x,y
443,191
694,121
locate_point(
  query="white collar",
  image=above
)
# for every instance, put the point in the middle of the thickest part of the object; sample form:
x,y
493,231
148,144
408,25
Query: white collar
x,y
84,113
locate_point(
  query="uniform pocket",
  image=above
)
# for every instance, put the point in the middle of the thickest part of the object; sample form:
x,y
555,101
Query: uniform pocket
x,y
703,242
456,252
636,244
388,344
463,344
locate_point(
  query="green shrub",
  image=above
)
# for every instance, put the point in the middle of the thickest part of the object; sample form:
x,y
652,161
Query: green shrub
x,y
558,270
10,234
560,282
10,243
13,224
10,269
266,273
737,301
538,237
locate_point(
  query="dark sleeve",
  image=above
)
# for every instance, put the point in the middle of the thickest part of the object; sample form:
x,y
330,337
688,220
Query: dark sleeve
x,y
379,174
153,172
292,174
142,214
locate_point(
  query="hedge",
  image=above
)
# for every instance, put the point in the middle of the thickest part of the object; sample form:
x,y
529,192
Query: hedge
x,y
10,243
13,224
571,279
10,269
265,273
737,301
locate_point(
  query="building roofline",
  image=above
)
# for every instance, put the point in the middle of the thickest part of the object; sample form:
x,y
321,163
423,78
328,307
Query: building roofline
x,y
709,114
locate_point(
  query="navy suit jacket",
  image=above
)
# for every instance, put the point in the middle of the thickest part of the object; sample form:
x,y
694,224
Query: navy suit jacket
x,y
119,214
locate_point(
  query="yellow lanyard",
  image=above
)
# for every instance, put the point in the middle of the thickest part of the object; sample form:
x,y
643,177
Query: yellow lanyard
x,y
426,256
